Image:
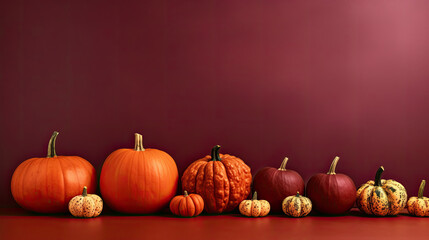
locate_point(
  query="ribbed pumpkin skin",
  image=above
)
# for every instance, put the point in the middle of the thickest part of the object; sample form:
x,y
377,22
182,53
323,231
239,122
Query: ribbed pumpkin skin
x,y
387,198
138,182
254,207
187,205
418,206
296,206
274,185
46,185
86,205
331,193
222,184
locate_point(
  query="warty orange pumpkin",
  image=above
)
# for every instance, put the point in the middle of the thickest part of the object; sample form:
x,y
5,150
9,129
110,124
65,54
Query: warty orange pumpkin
x,y
138,181
46,185
222,180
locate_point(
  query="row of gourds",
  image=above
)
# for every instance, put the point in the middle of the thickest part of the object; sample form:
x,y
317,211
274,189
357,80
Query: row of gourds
x,y
144,181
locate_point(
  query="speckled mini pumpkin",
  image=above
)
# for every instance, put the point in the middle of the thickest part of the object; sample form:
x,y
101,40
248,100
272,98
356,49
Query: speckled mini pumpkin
x,y
296,206
86,205
381,197
254,207
419,206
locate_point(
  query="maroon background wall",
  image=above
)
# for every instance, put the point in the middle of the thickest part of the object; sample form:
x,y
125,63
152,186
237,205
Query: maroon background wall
x,y
265,79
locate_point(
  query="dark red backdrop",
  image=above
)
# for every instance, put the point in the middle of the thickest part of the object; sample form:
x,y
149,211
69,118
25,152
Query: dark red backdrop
x,y
265,79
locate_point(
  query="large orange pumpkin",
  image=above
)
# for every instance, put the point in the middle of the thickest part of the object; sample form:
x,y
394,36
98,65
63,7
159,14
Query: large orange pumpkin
x,y
46,185
221,179
139,180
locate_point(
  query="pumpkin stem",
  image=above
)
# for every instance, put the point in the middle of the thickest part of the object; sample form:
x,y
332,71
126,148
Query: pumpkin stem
x,y
185,193
85,191
215,153
377,180
138,145
421,189
51,145
283,165
333,166
255,196
297,194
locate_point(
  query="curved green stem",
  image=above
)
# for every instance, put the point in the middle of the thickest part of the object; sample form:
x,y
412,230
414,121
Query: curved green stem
x,y
51,145
377,180
283,165
422,188
297,194
333,166
85,191
185,193
215,153
138,145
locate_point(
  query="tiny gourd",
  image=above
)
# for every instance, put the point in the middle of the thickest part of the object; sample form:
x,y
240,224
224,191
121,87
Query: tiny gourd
x,y
187,205
381,197
419,206
254,207
86,205
296,206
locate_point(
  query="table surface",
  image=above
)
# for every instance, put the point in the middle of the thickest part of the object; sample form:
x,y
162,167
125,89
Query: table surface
x,y
19,224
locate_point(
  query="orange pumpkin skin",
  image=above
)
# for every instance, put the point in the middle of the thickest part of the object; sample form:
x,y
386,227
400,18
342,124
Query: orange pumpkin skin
x,y
419,206
222,180
187,205
46,185
138,181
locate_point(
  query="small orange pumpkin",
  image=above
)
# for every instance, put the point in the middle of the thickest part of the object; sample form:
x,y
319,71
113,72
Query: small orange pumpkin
x,y
254,207
86,205
187,205
419,206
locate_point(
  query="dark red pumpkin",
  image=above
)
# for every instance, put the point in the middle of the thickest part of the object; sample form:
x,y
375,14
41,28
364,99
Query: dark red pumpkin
x,y
139,180
274,185
331,193
46,185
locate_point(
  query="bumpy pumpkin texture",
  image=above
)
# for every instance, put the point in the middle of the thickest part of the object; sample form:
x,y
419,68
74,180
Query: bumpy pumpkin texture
x,y
381,197
419,206
296,206
187,205
254,207
86,205
139,180
46,185
221,179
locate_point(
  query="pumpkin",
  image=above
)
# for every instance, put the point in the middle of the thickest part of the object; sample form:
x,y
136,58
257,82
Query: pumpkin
x,y
221,179
381,197
274,185
187,205
139,180
46,185
419,206
331,193
86,205
296,206
254,207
